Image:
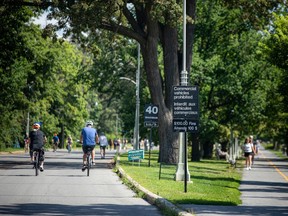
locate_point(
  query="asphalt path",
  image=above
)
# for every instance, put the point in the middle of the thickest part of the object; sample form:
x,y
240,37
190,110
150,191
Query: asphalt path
x,y
264,190
63,189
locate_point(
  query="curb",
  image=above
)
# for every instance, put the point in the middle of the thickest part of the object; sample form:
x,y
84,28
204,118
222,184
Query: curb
x,y
152,198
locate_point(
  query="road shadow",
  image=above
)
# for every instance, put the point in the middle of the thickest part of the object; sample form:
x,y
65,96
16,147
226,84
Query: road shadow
x,y
60,209
207,210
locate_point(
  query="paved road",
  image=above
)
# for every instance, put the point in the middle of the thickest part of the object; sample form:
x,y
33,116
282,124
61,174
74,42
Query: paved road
x,y
264,190
63,189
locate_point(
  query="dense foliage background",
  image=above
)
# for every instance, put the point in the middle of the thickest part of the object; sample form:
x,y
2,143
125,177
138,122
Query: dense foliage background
x,y
239,63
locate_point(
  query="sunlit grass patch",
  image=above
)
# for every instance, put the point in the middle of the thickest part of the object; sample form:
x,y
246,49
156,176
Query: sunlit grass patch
x,y
212,181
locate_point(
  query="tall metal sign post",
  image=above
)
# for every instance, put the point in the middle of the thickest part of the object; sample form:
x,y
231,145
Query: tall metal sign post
x,y
185,111
184,82
185,119
137,114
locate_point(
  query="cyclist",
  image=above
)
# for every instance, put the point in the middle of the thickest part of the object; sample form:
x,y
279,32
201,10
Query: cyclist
x,y
36,142
88,138
55,141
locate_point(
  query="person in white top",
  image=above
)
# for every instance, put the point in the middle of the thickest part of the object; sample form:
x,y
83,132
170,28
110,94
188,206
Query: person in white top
x,y
248,151
103,143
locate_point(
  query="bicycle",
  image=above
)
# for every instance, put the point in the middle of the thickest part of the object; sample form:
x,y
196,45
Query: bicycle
x,y
89,160
36,160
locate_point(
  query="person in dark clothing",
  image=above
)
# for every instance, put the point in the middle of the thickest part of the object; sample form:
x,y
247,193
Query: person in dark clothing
x,y
37,140
55,140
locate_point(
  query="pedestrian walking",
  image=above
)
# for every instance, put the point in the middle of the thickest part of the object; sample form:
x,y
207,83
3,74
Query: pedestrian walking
x,y
248,151
26,143
69,144
116,143
103,144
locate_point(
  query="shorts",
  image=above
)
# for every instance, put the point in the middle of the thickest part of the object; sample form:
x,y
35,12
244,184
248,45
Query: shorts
x,y
86,148
103,147
41,153
247,154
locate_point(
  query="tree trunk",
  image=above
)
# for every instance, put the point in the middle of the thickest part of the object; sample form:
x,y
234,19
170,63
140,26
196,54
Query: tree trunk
x,y
168,139
195,154
62,137
191,11
208,150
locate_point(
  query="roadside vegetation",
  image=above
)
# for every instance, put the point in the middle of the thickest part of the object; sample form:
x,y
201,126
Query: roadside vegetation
x,y
213,182
239,62
280,152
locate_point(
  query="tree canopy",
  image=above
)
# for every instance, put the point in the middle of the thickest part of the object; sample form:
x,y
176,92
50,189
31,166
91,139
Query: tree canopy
x,y
238,81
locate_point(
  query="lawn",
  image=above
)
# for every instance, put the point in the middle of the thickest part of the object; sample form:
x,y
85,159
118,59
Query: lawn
x,y
213,182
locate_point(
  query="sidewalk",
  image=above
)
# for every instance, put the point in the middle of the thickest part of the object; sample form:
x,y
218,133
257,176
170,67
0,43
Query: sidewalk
x,y
264,190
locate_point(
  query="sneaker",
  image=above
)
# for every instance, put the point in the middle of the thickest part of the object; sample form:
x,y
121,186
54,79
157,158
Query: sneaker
x,y
250,168
41,168
83,168
247,168
93,162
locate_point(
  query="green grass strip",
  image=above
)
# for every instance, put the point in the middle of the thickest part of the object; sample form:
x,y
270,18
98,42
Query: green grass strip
x,y
213,182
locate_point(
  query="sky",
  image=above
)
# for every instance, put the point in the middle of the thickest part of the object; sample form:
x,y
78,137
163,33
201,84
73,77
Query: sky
x,y
43,21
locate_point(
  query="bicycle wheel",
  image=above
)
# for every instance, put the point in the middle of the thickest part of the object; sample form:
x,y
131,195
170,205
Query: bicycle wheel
x,y
36,163
88,164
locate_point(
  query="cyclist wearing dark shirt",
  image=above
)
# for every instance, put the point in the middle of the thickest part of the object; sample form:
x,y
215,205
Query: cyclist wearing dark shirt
x,y
88,138
36,142
55,141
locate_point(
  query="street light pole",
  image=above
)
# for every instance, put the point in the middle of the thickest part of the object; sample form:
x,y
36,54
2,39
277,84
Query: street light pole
x,y
182,173
135,121
137,111
28,122
137,99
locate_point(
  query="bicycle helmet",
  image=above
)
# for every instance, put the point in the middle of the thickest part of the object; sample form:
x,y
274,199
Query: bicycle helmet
x,y
89,123
36,125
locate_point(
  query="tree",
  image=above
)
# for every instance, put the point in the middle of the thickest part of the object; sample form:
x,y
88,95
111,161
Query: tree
x,y
234,79
12,73
38,75
156,24
152,24
275,49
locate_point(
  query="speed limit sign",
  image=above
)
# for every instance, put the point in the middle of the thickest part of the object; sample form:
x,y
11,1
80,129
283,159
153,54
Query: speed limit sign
x,y
151,115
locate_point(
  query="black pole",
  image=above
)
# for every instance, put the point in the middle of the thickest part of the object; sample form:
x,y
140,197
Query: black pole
x,y
185,163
